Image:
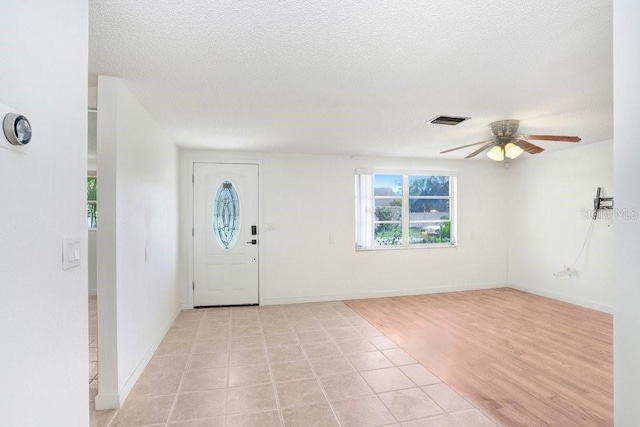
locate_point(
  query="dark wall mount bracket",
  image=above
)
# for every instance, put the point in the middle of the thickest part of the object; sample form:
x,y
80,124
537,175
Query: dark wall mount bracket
x,y
601,203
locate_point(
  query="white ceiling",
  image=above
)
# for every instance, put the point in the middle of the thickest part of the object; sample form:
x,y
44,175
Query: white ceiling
x,y
359,77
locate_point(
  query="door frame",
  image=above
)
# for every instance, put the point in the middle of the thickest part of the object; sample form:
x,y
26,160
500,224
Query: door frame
x,y
188,222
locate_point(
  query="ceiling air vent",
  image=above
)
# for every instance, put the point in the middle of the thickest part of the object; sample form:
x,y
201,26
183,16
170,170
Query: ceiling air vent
x,y
447,120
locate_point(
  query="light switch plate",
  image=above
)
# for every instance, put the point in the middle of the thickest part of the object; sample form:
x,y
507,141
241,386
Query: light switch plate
x,y
70,252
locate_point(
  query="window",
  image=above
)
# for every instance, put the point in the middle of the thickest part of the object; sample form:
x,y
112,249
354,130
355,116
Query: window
x,y
396,210
92,207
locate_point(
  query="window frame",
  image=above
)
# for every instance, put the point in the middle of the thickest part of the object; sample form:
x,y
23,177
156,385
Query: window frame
x,y
366,221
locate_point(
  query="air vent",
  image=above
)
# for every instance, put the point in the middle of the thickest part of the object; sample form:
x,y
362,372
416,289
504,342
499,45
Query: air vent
x,y
447,120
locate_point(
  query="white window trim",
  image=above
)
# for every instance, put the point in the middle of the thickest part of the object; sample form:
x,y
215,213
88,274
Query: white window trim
x,y
365,209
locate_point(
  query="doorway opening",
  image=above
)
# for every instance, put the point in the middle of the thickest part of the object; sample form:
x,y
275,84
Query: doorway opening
x,y
92,291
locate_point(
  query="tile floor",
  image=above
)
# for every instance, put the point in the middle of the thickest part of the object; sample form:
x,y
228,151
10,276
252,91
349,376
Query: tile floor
x,y
295,365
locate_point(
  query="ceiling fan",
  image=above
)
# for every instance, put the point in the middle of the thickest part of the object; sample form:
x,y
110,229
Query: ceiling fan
x,y
505,142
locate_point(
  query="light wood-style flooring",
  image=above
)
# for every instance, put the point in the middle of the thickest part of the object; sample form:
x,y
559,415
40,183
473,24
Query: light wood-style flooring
x,y
525,359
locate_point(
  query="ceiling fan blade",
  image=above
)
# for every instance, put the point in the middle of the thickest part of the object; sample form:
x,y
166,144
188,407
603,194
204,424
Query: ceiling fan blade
x,y
481,149
528,147
465,146
552,138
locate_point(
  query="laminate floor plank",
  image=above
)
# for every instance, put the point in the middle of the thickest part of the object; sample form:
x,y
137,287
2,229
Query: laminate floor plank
x,y
525,359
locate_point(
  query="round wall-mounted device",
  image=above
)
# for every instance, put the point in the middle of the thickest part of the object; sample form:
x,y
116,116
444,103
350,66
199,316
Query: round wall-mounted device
x,y
17,129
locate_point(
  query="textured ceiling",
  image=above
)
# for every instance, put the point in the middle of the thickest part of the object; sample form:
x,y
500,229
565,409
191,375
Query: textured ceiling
x,y
359,77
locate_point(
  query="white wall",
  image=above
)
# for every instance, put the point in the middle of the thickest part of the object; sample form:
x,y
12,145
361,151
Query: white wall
x,y
137,239
43,309
309,197
626,338
550,202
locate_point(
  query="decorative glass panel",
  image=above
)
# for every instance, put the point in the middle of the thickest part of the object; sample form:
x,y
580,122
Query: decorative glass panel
x,y
226,215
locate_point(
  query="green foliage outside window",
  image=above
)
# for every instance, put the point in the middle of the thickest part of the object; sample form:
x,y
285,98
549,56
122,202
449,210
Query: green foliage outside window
x,y
428,186
92,207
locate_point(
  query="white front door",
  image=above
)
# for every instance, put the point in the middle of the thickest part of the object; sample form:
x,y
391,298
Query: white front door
x,y
225,235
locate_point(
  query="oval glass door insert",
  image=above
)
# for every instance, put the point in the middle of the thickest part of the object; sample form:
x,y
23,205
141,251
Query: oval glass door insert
x,y
226,215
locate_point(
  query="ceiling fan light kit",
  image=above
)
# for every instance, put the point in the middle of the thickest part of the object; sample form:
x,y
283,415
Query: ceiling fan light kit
x,y
512,151
506,143
509,150
496,153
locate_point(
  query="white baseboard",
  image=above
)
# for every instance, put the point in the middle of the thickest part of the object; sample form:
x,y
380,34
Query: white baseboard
x,y
565,298
135,375
109,401
378,294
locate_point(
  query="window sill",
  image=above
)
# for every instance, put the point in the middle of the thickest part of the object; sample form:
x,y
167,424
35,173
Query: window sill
x,y
402,248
